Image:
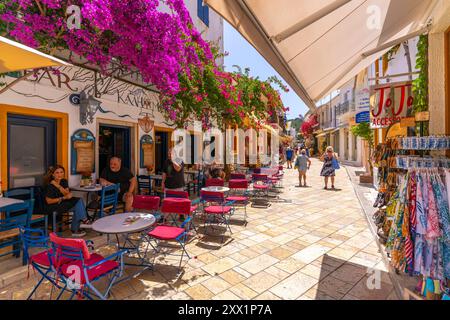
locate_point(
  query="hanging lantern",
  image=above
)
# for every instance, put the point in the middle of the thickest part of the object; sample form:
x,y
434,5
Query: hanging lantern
x,y
146,124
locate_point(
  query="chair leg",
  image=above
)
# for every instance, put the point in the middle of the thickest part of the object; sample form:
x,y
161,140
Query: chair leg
x,y
54,226
46,225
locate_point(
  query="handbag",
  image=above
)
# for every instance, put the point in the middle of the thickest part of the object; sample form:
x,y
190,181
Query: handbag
x,y
335,164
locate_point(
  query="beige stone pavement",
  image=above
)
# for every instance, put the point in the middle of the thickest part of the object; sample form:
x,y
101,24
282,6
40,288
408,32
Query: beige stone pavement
x,y
312,244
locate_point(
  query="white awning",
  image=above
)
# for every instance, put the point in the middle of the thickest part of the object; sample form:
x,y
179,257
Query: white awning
x,y
317,46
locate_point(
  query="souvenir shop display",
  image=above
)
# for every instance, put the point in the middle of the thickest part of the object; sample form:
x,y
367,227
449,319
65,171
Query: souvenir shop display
x,y
413,217
425,143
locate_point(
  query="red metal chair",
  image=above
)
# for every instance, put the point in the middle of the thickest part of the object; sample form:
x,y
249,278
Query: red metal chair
x,y
215,182
84,267
184,195
261,184
216,210
178,207
239,194
238,176
177,194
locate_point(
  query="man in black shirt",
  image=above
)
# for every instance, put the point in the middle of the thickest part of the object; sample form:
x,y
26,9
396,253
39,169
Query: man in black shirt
x,y
118,174
173,174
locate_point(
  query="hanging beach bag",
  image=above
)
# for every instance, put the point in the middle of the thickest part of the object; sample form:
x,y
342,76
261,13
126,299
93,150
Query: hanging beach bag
x,y
335,164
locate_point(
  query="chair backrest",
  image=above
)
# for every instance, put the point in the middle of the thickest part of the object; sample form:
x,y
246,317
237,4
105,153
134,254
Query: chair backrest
x,y
20,193
259,177
238,184
177,194
212,196
176,205
142,202
66,248
143,183
17,215
110,196
33,238
235,176
215,182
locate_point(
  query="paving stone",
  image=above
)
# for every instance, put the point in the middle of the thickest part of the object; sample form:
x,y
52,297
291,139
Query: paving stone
x,y
226,295
259,263
243,292
334,287
311,253
294,286
220,266
216,285
364,292
261,282
199,292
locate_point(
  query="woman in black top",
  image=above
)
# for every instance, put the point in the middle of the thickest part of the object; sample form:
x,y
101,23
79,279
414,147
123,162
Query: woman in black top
x,y
59,199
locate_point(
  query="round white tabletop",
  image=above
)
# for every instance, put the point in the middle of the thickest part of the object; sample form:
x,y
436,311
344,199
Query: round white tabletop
x,y
8,201
94,188
216,189
117,224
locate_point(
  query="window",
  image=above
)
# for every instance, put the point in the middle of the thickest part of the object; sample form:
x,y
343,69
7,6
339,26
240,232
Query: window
x,y
203,12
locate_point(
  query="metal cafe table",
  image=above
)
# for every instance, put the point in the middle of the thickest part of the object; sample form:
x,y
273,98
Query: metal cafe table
x,y
8,201
120,225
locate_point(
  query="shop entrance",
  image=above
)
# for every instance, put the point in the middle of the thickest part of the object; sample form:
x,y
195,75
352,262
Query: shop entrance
x,y
31,149
114,141
161,150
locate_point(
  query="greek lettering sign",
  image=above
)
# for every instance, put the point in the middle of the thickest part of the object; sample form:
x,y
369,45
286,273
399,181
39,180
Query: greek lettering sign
x,y
390,103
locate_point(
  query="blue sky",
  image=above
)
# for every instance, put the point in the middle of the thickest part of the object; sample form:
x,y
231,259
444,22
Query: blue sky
x,y
241,53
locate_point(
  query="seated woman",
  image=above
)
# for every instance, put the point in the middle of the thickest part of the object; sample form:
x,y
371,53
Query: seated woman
x,y
59,199
214,171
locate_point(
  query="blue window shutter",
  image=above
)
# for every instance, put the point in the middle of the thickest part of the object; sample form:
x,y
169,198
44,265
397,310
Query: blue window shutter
x,y
200,9
206,15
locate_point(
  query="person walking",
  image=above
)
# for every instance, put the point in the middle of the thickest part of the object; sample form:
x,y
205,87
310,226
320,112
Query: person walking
x,y
328,168
289,156
302,163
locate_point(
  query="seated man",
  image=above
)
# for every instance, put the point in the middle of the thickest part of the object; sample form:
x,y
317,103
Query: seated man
x,y
114,174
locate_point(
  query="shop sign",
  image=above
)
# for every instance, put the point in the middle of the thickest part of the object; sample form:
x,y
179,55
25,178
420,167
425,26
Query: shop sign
x,y
391,103
363,117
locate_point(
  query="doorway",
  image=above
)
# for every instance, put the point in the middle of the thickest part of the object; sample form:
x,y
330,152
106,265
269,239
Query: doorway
x,y
31,149
161,150
114,141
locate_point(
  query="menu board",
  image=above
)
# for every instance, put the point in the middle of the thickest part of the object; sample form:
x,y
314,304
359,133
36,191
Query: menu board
x,y
85,158
147,153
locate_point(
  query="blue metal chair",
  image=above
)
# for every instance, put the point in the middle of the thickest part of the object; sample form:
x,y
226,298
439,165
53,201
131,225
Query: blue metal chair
x,y
16,216
144,183
28,194
108,201
35,238
171,233
85,268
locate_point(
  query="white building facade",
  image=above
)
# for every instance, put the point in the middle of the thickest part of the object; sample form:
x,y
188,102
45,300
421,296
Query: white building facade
x,y
45,121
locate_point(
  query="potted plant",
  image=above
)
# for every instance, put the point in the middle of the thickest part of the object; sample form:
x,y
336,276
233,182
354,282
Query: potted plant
x,y
364,131
150,168
86,178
